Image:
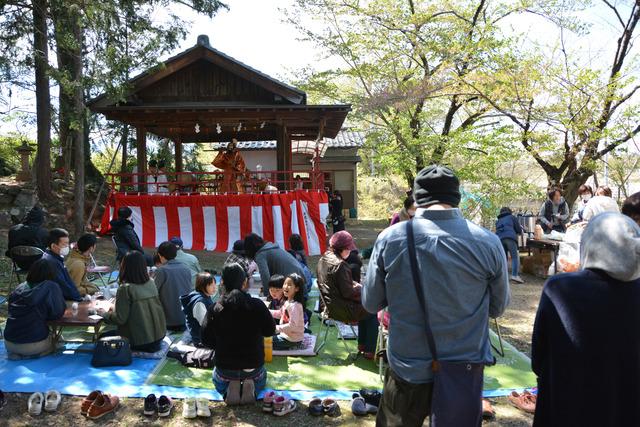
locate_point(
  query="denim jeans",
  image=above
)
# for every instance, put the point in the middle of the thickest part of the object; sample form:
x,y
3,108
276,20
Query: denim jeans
x,y
511,247
222,378
281,343
368,333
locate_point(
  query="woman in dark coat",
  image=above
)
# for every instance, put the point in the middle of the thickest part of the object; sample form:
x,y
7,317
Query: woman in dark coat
x,y
342,295
586,337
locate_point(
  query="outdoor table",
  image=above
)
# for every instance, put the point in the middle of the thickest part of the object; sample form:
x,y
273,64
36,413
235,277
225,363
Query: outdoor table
x,y
81,318
549,245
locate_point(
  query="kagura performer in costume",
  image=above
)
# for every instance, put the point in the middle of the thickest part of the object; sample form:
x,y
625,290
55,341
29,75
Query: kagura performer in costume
x,y
233,167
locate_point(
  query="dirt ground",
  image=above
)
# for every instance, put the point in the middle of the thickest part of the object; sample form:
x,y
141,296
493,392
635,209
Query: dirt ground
x,y
516,327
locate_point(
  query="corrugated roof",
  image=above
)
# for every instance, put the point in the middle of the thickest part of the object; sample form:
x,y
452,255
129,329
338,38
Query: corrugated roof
x,y
346,138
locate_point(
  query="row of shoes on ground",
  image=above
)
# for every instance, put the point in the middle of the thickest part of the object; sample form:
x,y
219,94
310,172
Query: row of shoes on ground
x,y
191,407
98,404
50,401
278,405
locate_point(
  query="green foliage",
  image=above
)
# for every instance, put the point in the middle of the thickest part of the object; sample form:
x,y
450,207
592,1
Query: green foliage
x,y
9,158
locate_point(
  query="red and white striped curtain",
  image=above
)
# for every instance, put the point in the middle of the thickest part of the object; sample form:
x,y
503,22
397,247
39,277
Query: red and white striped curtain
x,y
215,222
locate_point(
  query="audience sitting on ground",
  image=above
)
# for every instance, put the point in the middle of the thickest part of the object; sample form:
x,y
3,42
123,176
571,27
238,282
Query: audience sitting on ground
x,y
290,330
297,250
631,207
31,305
585,193
58,249
276,296
601,202
196,303
342,295
238,255
79,260
236,327
270,258
173,279
189,260
125,237
29,232
137,312
407,212
589,319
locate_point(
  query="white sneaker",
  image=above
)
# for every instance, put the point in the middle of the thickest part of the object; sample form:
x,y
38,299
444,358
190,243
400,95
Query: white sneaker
x,y
202,406
34,404
189,408
52,400
517,279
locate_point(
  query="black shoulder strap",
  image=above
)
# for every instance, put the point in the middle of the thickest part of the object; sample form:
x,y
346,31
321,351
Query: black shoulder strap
x,y
419,291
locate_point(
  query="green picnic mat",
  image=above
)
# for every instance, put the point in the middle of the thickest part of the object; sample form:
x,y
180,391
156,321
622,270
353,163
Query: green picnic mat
x,y
332,371
328,371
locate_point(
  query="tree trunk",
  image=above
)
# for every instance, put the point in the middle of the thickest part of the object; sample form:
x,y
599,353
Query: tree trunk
x,y
124,139
43,99
79,119
65,97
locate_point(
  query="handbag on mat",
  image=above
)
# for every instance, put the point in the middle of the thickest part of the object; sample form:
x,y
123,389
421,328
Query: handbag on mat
x,y
111,351
456,400
203,358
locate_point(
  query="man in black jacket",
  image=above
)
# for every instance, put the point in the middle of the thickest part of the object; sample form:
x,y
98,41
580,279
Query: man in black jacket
x,y
28,233
125,237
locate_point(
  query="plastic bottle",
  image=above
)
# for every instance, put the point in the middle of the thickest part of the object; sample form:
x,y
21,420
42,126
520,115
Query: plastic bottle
x,y
538,233
268,349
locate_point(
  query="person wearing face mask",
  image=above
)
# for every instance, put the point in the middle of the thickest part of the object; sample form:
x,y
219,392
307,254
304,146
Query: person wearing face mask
x,y
342,296
57,250
406,213
554,213
585,193
601,202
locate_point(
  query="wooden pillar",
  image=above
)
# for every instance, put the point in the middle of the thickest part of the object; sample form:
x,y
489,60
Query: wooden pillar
x,y
283,153
178,152
141,142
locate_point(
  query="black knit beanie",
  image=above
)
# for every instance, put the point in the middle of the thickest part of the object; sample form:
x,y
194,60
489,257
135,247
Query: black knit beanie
x,y
436,184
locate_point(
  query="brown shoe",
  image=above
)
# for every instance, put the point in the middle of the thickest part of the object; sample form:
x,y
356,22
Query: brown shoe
x,y
525,401
488,413
103,405
88,401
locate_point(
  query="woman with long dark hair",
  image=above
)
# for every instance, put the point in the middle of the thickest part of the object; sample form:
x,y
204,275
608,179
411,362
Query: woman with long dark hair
x,y
138,312
236,327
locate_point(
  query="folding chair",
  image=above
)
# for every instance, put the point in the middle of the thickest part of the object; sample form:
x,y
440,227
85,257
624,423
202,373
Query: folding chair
x,y
98,271
114,265
29,254
326,323
383,337
501,351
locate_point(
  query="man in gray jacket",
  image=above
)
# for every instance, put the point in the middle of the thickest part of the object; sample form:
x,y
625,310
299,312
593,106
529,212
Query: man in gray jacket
x,y
465,281
173,279
270,259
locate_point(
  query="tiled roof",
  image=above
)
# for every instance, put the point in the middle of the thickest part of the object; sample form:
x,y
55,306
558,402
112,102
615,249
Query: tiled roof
x,y
345,139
